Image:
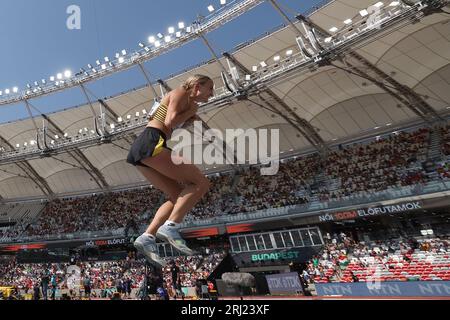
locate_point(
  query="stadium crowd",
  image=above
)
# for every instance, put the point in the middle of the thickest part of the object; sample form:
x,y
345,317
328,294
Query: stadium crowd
x,y
106,278
350,171
287,187
391,162
344,260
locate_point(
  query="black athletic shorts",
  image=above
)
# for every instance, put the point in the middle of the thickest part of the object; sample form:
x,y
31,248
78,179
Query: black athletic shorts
x,y
149,144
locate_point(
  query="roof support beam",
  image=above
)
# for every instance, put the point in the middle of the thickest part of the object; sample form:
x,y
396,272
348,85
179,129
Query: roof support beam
x,y
82,160
285,17
89,100
26,167
113,115
155,94
404,94
164,85
300,124
365,69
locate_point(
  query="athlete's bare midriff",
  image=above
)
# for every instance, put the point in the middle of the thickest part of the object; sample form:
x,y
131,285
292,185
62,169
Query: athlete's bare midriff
x,y
158,125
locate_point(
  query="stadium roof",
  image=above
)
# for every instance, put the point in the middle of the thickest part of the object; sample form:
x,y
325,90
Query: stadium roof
x,y
338,104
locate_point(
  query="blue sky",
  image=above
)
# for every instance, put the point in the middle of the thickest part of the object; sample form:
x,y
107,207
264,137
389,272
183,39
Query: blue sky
x,y
36,43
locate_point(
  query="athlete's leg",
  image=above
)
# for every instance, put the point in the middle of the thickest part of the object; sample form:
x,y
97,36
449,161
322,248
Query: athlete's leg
x,y
170,188
197,185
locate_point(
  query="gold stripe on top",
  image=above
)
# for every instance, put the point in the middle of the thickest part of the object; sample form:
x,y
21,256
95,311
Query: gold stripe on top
x,y
161,113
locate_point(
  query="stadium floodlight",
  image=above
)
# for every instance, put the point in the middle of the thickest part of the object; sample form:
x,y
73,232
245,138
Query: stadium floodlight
x,y
43,81
364,13
113,126
124,52
210,8
94,70
128,117
117,55
223,2
289,52
147,49
167,39
248,77
25,144
157,44
379,4
171,30
59,76
189,29
103,66
1,93
333,29
90,66
56,137
263,64
36,83
32,142
255,68
17,145
7,91
121,59
106,59
178,34
180,25
92,132
52,142
160,35
67,73
119,119
28,86
137,114
141,45
98,62
66,135
151,39
348,21
394,3
86,130
52,78
144,111
276,58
